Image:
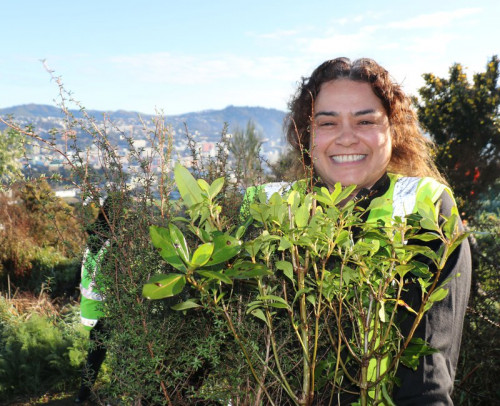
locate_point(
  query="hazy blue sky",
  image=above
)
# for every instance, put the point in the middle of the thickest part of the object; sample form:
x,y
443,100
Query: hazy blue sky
x,y
190,55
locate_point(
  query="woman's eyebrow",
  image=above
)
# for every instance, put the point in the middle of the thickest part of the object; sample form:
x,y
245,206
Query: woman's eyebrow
x,y
363,112
336,114
326,113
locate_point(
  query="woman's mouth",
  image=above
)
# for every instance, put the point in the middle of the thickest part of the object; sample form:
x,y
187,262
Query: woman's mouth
x,y
340,159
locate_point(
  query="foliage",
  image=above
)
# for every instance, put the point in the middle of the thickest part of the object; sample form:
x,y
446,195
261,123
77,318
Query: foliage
x,y
39,232
285,168
463,119
11,150
337,292
478,368
37,352
245,148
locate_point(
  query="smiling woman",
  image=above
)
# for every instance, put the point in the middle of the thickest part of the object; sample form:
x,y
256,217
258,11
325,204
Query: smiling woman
x,y
351,123
370,88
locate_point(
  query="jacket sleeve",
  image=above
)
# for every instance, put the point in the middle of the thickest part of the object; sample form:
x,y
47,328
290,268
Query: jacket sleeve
x,y
441,328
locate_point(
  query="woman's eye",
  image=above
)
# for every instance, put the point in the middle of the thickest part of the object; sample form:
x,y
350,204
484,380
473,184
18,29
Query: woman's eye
x,y
366,122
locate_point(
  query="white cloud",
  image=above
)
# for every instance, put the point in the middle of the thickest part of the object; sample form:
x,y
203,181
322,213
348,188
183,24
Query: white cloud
x,y
201,69
433,20
437,43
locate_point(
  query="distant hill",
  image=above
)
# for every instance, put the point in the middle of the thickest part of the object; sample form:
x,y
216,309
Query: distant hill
x,y
208,123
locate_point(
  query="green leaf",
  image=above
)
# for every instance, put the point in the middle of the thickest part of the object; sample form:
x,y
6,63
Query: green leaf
x,y
179,242
343,237
429,224
416,349
293,196
403,269
188,187
346,192
243,228
436,296
336,193
422,250
215,275
275,199
216,187
284,244
450,227
253,247
240,232
311,299
303,291
287,269
420,269
324,199
427,210
202,183
425,237
225,248
259,212
349,274
202,254
379,202
260,315
162,286
457,242
247,270
188,304
302,216
160,238
274,301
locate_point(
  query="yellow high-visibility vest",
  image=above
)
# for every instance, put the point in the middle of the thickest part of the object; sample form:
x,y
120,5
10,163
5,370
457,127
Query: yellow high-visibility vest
x,y
91,296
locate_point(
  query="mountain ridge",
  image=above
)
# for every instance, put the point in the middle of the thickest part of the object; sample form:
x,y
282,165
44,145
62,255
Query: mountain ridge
x,y
268,121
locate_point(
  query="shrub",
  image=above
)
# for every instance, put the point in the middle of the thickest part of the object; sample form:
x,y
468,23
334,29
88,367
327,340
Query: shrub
x,y
326,286
478,367
38,352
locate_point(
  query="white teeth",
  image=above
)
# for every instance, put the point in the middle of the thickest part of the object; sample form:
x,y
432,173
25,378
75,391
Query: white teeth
x,y
347,158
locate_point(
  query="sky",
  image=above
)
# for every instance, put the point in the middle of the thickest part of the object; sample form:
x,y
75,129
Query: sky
x,y
179,56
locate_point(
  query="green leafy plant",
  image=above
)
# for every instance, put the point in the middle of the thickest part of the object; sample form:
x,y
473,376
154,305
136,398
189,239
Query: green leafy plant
x,y
325,284
38,354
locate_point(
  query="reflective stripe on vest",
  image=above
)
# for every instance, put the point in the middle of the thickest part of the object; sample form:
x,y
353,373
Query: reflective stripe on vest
x,y
88,322
90,294
404,196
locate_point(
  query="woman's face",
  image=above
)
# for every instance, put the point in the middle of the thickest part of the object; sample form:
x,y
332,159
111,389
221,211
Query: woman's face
x,y
351,141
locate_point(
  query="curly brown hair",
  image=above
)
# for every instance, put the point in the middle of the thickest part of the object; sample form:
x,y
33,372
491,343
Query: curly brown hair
x,y
411,150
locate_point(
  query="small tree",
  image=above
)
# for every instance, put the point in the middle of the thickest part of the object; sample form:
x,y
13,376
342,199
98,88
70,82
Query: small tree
x,y
327,299
11,149
245,147
463,119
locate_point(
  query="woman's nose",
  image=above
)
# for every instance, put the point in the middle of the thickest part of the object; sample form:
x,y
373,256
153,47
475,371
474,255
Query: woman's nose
x,y
347,136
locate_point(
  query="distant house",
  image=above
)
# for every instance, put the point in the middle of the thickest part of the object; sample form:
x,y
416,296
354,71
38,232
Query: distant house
x,y
66,193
